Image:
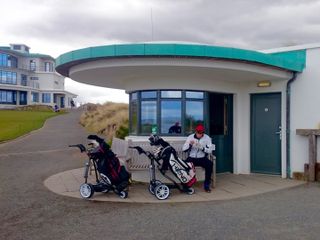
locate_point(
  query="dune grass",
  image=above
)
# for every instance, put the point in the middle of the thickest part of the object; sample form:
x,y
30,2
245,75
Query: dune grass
x,y
109,119
17,123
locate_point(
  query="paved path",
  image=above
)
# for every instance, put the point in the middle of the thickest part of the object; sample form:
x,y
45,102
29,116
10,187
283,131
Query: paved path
x,y
28,210
229,186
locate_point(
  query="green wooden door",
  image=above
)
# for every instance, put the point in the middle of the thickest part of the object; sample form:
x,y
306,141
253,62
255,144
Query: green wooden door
x,y
221,129
265,133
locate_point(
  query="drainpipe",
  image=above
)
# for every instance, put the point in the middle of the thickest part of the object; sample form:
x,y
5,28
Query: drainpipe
x,y
288,90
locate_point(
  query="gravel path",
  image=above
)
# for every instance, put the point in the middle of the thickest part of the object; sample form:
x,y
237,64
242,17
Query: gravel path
x,y
30,211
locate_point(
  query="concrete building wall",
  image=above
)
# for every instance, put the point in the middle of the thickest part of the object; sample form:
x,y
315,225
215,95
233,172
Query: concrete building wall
x,y
51,81
305,113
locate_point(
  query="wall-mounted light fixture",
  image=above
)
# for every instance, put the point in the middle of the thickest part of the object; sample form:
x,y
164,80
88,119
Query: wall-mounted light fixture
x,y
264,84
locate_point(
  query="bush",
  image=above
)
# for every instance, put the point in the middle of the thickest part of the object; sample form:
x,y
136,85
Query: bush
x,y
123,131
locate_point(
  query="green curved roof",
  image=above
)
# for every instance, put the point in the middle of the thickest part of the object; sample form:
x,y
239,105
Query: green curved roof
x,y
295,61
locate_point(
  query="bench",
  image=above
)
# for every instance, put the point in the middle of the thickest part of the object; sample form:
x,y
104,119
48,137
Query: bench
x,y
121,148
141,162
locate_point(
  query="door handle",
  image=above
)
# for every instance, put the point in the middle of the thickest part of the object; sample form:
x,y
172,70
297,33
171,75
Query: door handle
x,y
279,132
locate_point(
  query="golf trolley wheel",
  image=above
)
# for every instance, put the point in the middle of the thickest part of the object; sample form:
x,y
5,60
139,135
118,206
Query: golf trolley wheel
x,y
190,191
162,191
86,190
152,187
123,194
106,190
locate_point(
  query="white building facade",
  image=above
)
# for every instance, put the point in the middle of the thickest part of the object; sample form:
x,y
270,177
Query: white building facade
x,y
30,79
251,102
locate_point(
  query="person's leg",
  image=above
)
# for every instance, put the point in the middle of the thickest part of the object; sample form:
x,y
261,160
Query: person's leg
x,y
193,160
207,165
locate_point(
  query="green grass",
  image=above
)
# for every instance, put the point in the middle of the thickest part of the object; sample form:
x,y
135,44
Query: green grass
x,y
17,123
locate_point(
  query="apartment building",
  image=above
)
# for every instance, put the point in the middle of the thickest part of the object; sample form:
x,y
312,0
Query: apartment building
x,y
30,79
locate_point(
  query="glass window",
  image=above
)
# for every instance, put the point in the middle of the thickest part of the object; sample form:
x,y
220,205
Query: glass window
x,y
14,61
32,65
35,97
48,67
4,60
170,115
171,94
194,115
3,96
4,77
148,116
23,80
148,94
195,95
46,97
7,97
134,96
14,78
134,117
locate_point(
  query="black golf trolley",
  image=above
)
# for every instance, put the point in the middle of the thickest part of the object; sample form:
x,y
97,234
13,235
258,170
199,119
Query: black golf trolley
x,y
157,188
104,182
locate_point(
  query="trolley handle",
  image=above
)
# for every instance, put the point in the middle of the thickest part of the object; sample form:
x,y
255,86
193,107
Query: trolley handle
x,y
80,146
142,151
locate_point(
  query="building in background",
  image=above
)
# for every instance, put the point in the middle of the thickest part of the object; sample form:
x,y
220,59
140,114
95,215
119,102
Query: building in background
x,y
251,102
30,79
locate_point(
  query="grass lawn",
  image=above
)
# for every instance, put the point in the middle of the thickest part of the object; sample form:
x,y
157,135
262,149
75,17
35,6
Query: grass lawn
x,y
17,123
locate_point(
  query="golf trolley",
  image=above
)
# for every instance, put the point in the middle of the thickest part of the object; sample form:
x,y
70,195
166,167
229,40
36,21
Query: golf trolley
x,y
103,182
156,187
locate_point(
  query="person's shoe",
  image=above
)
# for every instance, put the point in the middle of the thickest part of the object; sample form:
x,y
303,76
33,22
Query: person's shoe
x,y
207,188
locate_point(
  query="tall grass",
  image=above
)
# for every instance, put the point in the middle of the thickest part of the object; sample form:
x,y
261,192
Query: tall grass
x,y
110,119
15,123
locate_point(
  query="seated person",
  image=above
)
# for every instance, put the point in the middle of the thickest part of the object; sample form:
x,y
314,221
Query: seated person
x,y
199,144
56,108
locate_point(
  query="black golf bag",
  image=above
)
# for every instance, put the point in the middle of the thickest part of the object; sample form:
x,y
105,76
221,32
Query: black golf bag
x,y
110,175
108,164
183,171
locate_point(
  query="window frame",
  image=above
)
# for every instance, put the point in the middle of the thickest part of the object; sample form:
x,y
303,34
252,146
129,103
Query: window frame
x,y
183,99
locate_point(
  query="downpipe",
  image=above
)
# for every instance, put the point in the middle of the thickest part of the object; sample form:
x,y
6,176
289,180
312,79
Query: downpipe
x,y
288,104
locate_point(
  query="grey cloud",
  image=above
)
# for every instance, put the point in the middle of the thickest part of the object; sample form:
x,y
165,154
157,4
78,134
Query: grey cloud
x,y
243,23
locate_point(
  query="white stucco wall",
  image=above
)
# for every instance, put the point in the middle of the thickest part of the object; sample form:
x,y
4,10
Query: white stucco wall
x,y
305,113
51,81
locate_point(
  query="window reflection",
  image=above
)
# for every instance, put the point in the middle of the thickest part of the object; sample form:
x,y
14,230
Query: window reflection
x,y
148,94
134,116
134,96
176,111
170,115
194,115
148,116
195,95
171,94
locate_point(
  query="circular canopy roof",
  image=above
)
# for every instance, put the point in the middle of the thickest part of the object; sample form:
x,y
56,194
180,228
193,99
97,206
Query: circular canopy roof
x,y
86,64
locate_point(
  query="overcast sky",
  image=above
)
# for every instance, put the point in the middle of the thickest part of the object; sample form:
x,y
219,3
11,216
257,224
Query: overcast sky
x,y
57,26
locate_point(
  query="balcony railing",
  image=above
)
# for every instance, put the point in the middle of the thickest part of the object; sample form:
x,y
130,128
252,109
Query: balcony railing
x,y
27,83
31,68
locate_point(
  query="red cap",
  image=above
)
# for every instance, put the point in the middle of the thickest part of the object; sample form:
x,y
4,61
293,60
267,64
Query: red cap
x,y
200,128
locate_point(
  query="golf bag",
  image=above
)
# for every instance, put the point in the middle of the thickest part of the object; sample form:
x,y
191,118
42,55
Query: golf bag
x,y
108,163
183,171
